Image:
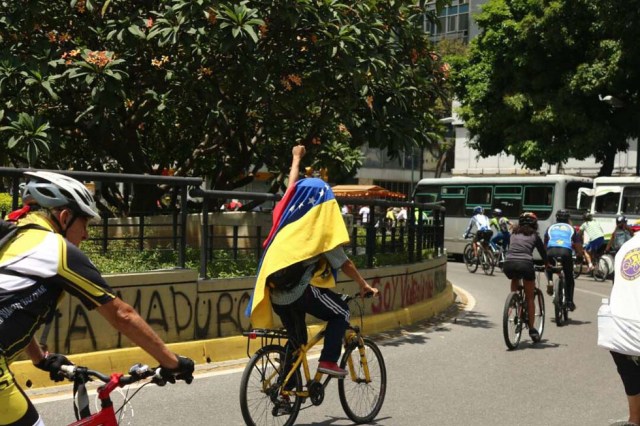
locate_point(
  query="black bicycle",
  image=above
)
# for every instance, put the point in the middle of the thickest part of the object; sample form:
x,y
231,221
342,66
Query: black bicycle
x,y
516,316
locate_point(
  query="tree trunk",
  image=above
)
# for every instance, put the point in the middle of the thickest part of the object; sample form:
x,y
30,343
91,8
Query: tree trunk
x,y
607,163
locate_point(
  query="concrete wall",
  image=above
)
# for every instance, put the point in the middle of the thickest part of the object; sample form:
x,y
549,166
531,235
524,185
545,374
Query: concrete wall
x,y
181,308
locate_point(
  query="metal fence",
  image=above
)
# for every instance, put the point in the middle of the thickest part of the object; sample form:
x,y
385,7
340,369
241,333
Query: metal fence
x,y
236,236
423,229
136,230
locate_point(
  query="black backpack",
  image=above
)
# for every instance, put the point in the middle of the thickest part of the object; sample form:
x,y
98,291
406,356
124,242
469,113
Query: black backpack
x,y
288,277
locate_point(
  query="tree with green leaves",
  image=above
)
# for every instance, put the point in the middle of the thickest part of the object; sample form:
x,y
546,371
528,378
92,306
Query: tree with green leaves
x,y
213,88
535,78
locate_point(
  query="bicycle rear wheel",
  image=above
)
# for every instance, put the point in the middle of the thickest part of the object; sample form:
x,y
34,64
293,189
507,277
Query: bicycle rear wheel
x,y
362,399
538,321
512,320
470,261
559,302
488,263
601,272
260,401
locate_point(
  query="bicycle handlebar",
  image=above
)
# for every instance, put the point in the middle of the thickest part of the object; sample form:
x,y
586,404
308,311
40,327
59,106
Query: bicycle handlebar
x,y
137,373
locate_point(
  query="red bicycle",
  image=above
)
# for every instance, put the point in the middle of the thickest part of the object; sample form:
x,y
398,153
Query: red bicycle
x,y
107,416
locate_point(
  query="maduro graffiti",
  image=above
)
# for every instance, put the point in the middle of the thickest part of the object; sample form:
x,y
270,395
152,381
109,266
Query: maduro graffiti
x,y
177,312
400,291
180,308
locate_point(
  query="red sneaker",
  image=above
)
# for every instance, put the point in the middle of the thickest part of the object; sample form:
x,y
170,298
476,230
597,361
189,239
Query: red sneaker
x,y
331,368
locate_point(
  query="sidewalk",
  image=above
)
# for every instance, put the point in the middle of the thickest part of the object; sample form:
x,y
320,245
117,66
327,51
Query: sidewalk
x,y
218,353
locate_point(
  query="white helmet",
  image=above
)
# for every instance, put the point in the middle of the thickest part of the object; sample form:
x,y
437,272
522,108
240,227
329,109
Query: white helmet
x,y
53,190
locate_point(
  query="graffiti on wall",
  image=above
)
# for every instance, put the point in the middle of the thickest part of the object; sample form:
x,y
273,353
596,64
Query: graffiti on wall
x,y
188,310
400,291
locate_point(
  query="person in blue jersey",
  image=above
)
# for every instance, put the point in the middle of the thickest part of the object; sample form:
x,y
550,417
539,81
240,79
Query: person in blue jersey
x,y
561,240
480,222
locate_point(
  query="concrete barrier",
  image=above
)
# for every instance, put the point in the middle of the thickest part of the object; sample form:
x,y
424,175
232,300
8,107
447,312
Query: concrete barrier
x,y
204,319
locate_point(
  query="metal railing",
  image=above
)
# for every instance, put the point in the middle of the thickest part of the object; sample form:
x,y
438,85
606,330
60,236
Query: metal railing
x,y
415,235
140,232
232,237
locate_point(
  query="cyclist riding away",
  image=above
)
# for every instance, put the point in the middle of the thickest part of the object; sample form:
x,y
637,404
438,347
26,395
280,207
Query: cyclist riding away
x,y
302,253
41,263
483,230
503,227
619,236
560,241
596,238
518,264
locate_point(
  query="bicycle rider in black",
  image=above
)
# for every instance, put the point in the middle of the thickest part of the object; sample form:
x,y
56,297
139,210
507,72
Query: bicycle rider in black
x,y
518,264
560,240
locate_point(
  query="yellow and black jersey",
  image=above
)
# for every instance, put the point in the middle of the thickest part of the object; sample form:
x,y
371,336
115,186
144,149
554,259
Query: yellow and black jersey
x,y
35,269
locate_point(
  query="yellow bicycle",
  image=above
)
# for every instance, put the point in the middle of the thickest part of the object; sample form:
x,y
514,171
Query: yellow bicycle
x,y
271,393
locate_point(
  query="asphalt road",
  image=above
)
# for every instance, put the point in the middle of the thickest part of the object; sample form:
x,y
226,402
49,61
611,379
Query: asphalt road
x,y
453,370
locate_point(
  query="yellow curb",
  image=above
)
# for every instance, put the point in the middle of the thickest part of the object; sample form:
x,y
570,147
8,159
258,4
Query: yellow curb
x,y
225,348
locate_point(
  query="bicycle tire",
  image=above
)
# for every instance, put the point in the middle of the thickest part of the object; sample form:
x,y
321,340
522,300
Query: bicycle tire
x,y
512,321
538,321
362,401
577,267
488,264
470,261
558,302
256,401
601,272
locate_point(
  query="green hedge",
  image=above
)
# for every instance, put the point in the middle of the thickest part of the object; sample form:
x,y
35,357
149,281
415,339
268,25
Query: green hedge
x,y
5,202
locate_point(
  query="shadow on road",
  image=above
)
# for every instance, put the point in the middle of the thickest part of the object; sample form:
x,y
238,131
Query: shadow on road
x,y
333,420
473,319
543,344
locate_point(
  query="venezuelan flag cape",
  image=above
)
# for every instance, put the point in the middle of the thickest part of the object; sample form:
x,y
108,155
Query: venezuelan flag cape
x,y
306,222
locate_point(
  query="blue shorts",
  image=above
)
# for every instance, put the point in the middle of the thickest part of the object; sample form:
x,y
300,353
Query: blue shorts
x,y
594,245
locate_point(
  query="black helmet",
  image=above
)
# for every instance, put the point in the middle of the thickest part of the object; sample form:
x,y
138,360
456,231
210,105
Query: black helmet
x,y
563,216
587,216
497,212
621,219
528,218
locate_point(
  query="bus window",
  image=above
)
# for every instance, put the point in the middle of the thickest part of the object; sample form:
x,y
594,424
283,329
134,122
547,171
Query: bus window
x,y
538,199
571,196
631,201
607,203
509,200
478,196
453,197
427,194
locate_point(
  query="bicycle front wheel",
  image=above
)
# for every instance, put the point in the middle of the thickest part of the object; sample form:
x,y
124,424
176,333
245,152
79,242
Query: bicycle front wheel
x,y
260,400
512,320
362,396
538,321
470,260
577,267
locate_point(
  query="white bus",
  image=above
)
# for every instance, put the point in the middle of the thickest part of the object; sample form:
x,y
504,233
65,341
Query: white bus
x,y
613,196
543,195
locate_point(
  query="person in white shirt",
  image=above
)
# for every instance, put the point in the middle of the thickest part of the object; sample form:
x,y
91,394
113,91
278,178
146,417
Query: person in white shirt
x,y
483,230
619,323
402,215
364,214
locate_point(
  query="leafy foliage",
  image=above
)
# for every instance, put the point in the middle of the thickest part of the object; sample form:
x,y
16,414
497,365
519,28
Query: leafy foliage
x,y
213,88
532,84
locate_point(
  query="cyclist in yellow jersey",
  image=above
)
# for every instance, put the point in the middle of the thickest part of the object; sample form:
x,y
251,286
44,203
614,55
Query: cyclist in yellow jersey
x,y
41,263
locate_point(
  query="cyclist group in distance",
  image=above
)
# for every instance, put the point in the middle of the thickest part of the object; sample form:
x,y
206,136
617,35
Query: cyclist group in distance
x,y
561,240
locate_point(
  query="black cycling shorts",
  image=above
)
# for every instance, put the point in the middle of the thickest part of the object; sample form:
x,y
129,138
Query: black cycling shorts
x,y
484,235
519,270
629,373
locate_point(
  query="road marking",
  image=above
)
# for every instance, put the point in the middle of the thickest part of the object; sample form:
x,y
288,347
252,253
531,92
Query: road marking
x,y
591,292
